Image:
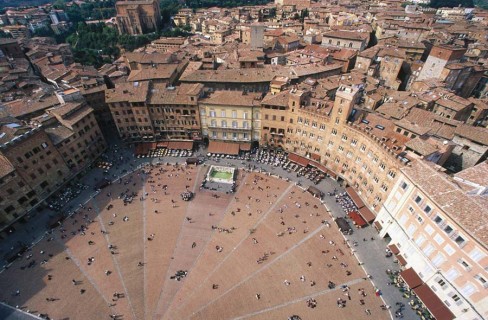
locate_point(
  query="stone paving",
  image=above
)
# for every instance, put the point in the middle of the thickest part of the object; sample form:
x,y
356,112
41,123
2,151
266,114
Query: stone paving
x,y
269,231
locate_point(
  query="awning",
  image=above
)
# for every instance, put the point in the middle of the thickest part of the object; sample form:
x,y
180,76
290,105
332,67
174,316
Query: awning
x,y
377,225
401,260
411,278
435,305
143,148
221,147
315,157
358,220
162,144
314,191
394,249
318,166
332,174
367,214
180,145
245,146
355,197
298,159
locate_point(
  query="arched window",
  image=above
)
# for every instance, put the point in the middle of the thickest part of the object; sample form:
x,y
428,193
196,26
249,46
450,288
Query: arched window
x,y
224,124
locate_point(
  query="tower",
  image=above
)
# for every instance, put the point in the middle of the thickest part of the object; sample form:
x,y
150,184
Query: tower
x,y
346,97
438,58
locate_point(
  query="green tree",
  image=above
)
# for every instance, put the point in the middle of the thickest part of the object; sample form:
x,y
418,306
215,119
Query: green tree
x,y
451,3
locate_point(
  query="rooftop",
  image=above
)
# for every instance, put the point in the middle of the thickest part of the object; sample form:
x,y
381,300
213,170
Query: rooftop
x,y
467,211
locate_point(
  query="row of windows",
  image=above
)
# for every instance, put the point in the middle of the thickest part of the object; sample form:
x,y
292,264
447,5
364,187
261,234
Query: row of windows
x,y
34,151
223,114
230,135
235,124
274,118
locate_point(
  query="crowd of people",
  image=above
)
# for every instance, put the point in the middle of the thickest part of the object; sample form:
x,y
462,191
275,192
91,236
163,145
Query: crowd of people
x,y
81,219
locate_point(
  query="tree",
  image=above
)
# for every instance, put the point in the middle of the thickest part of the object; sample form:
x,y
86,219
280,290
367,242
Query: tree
x,y
451,3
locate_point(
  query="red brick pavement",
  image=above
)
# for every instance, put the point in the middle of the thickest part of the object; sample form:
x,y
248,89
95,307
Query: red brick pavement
x,y
150,294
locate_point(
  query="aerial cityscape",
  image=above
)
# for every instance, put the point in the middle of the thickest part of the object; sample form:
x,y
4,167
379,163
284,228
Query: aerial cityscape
x,y
248,159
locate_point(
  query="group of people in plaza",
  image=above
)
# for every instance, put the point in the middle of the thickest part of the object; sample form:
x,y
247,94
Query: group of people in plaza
x,y
292,219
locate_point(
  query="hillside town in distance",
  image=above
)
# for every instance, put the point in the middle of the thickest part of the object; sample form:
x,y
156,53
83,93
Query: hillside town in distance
x,y
388,99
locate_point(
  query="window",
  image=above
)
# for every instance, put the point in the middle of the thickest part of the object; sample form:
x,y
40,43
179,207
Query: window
x,y
452,274
463,263
455,297
418,199
354,142
438,220
448,229
404,186
441,283
222,113
468,290
481,280
476,254
9,209
438,260
427,209
363,148
344,137
459,240
420,240
334,132
449,250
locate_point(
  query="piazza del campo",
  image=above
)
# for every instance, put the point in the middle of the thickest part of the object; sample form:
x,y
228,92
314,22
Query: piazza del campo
x,y
248,159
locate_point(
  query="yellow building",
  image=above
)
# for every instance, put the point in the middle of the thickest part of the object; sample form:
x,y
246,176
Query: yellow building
x,y
231,116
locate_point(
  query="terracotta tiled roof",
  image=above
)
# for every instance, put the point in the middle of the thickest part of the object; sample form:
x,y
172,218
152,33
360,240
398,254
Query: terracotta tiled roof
x,y
477,134
463,209
159,71
421,146
5,166
233,98
128,92
279,99
359,36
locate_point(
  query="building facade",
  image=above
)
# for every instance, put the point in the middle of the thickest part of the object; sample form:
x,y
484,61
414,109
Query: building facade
x,y
231,116
138,17
441,237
